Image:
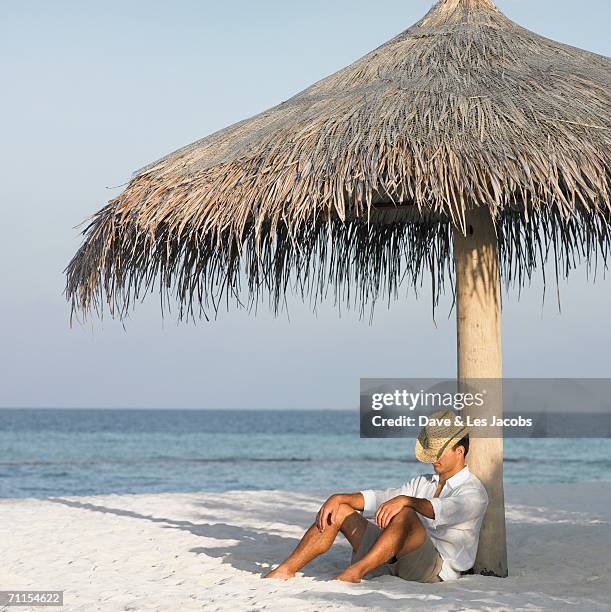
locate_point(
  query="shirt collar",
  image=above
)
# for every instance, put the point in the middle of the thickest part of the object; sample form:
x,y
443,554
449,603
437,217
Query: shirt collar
x,y
457,479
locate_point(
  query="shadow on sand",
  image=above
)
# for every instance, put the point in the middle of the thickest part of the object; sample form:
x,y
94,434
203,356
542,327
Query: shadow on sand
x,y
247,555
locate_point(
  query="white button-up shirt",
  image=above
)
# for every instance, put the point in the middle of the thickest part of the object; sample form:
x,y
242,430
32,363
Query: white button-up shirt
x,y
459,511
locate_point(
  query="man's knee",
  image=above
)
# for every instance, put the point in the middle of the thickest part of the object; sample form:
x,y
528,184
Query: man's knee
x,y
407,516
343,512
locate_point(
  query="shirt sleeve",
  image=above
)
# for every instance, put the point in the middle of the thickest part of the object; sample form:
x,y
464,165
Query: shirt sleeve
x,y
375,498
465,506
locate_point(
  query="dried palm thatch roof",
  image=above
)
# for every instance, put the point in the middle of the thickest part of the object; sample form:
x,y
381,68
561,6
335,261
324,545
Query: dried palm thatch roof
x,y
354,184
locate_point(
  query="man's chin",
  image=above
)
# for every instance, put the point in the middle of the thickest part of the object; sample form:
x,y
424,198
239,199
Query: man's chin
x,y
436,467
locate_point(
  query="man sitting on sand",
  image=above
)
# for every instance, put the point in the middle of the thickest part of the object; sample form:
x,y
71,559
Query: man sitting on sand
x,y
426,530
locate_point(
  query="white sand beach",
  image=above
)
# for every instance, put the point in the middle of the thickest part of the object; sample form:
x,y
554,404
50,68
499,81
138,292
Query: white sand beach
x,y
209,551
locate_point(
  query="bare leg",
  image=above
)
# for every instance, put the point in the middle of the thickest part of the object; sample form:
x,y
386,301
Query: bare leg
x,y
315,542
404,534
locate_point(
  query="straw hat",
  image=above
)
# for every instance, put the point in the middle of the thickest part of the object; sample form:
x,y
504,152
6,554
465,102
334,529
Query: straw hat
x,y
434,439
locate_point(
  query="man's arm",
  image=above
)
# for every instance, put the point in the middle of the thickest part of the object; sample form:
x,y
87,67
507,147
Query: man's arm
x,y
373,499
452,510
421,506
328,511
393,506
367,501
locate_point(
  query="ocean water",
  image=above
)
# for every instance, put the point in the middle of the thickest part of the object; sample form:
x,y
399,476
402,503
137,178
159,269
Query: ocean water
x,y
85,452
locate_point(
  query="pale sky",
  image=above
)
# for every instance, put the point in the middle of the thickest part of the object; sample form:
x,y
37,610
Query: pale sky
x,y
93,91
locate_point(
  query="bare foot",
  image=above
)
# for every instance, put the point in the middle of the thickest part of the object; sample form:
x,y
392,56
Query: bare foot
x,y
349,575
281,573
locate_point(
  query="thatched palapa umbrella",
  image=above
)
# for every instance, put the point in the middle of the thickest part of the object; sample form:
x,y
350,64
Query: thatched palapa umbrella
x,y
466,147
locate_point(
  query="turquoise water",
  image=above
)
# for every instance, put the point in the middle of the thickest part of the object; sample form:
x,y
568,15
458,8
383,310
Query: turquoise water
x,y
86,452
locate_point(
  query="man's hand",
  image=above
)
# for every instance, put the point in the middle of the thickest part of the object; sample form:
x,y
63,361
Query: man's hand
x,y
390,509
328,511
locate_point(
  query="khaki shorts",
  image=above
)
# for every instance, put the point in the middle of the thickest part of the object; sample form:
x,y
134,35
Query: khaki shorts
x,y
421,565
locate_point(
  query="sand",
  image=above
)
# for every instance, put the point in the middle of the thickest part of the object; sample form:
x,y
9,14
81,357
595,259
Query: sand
x,y
209,550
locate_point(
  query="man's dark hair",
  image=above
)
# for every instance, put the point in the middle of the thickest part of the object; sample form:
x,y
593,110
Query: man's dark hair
x,y
464,442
